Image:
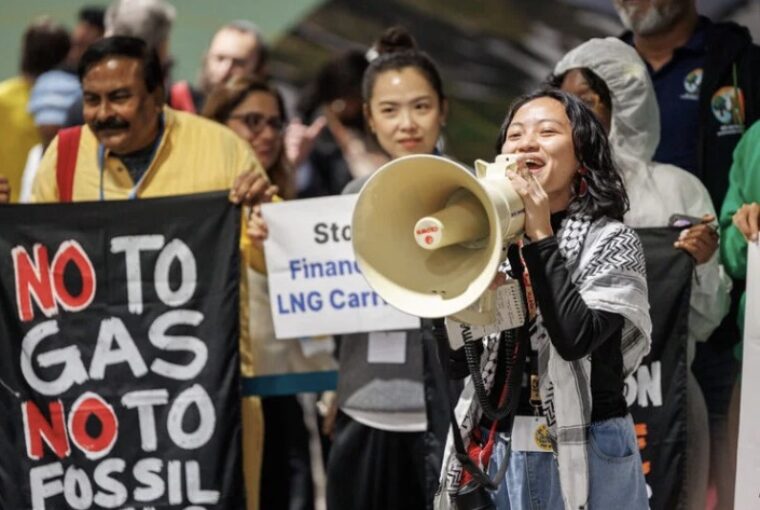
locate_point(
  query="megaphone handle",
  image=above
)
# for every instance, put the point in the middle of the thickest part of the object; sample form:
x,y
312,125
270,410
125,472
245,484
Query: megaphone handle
x,y
520,272
443,347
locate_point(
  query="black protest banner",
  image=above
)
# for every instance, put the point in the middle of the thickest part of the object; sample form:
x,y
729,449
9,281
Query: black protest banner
x,y
119,365
656,392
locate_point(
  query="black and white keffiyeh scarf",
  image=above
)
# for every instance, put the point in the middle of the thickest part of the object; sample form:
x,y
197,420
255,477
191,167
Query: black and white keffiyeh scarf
x,y
606,262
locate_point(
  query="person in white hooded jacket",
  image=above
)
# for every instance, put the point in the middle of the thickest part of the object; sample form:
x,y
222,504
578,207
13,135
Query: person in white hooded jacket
x,y
609,76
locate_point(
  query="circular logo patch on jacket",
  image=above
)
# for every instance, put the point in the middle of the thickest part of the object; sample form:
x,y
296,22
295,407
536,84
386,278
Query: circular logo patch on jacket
x,y
692,83
728,107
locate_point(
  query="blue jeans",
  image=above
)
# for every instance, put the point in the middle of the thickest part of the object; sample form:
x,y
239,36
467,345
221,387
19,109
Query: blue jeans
x,y
615,473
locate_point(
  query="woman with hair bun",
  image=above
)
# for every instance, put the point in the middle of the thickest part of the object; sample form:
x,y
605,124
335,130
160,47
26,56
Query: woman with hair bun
x,y
393,419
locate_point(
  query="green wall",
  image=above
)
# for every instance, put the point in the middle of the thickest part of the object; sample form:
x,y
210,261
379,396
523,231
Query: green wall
x,y
195,23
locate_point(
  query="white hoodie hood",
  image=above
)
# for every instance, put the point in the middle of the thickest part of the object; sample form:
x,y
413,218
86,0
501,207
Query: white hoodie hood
x,y
635,116
655,190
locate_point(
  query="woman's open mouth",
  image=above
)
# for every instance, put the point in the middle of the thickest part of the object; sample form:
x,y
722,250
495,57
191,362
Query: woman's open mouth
x,y
535,165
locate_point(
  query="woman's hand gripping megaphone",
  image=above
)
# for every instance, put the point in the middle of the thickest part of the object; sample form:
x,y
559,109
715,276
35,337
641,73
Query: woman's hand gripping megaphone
x,y
535,199
494,176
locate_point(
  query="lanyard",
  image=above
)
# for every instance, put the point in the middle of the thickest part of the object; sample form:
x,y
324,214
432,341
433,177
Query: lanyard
x,y
102,163
535,395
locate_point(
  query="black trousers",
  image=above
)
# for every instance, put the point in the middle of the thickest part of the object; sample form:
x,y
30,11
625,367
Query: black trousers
x,y
371,469
286,479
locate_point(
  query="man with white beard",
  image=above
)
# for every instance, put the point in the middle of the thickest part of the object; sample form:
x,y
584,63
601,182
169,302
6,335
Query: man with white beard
x,y
707,80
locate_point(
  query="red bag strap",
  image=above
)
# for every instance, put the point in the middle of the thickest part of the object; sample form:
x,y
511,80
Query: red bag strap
x,y
181,98
68,147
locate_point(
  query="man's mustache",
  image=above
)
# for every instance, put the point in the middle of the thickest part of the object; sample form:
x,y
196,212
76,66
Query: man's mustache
x,y
110,123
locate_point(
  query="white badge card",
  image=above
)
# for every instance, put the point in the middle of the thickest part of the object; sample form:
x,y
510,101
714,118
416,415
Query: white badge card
x,y
510,314
312,346
530,434
316,287
386,347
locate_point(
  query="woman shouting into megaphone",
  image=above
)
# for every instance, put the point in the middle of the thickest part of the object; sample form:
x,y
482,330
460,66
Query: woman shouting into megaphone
x,y
589,319
591,316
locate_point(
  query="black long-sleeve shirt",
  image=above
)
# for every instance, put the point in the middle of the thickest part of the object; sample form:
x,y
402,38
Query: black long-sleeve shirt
x,y
576,330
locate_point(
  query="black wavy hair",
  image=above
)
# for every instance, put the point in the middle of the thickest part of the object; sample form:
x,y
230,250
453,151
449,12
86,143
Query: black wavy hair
x,y
124,46
606,195
397,49
595,83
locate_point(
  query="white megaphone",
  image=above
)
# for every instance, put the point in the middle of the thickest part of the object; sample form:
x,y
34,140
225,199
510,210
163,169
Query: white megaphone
x,y
429,235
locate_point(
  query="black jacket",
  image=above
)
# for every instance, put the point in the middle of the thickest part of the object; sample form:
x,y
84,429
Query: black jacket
x,y
731,59
729,50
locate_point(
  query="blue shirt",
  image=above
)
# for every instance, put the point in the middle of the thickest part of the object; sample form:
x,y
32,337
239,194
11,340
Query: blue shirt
x,y
677,86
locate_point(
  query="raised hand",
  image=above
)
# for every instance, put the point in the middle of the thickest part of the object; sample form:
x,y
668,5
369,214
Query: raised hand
x,y
300,139
700,241
257,229
537,211
5,190
747,219
251,188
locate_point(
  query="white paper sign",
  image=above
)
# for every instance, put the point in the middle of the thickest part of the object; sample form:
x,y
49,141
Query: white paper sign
x,y
747,494
315,285
386,347
510,313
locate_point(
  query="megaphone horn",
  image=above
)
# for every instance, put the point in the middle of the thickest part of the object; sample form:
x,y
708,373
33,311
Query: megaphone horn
x,y
429,235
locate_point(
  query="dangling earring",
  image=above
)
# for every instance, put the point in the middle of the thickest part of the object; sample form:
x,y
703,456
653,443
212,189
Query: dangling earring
x,y
582,185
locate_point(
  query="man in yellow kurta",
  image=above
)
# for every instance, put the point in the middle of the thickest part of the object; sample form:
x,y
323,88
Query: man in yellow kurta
x,y
135,147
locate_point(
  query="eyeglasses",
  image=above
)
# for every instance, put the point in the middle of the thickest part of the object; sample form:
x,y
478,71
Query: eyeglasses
x,y
256,122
